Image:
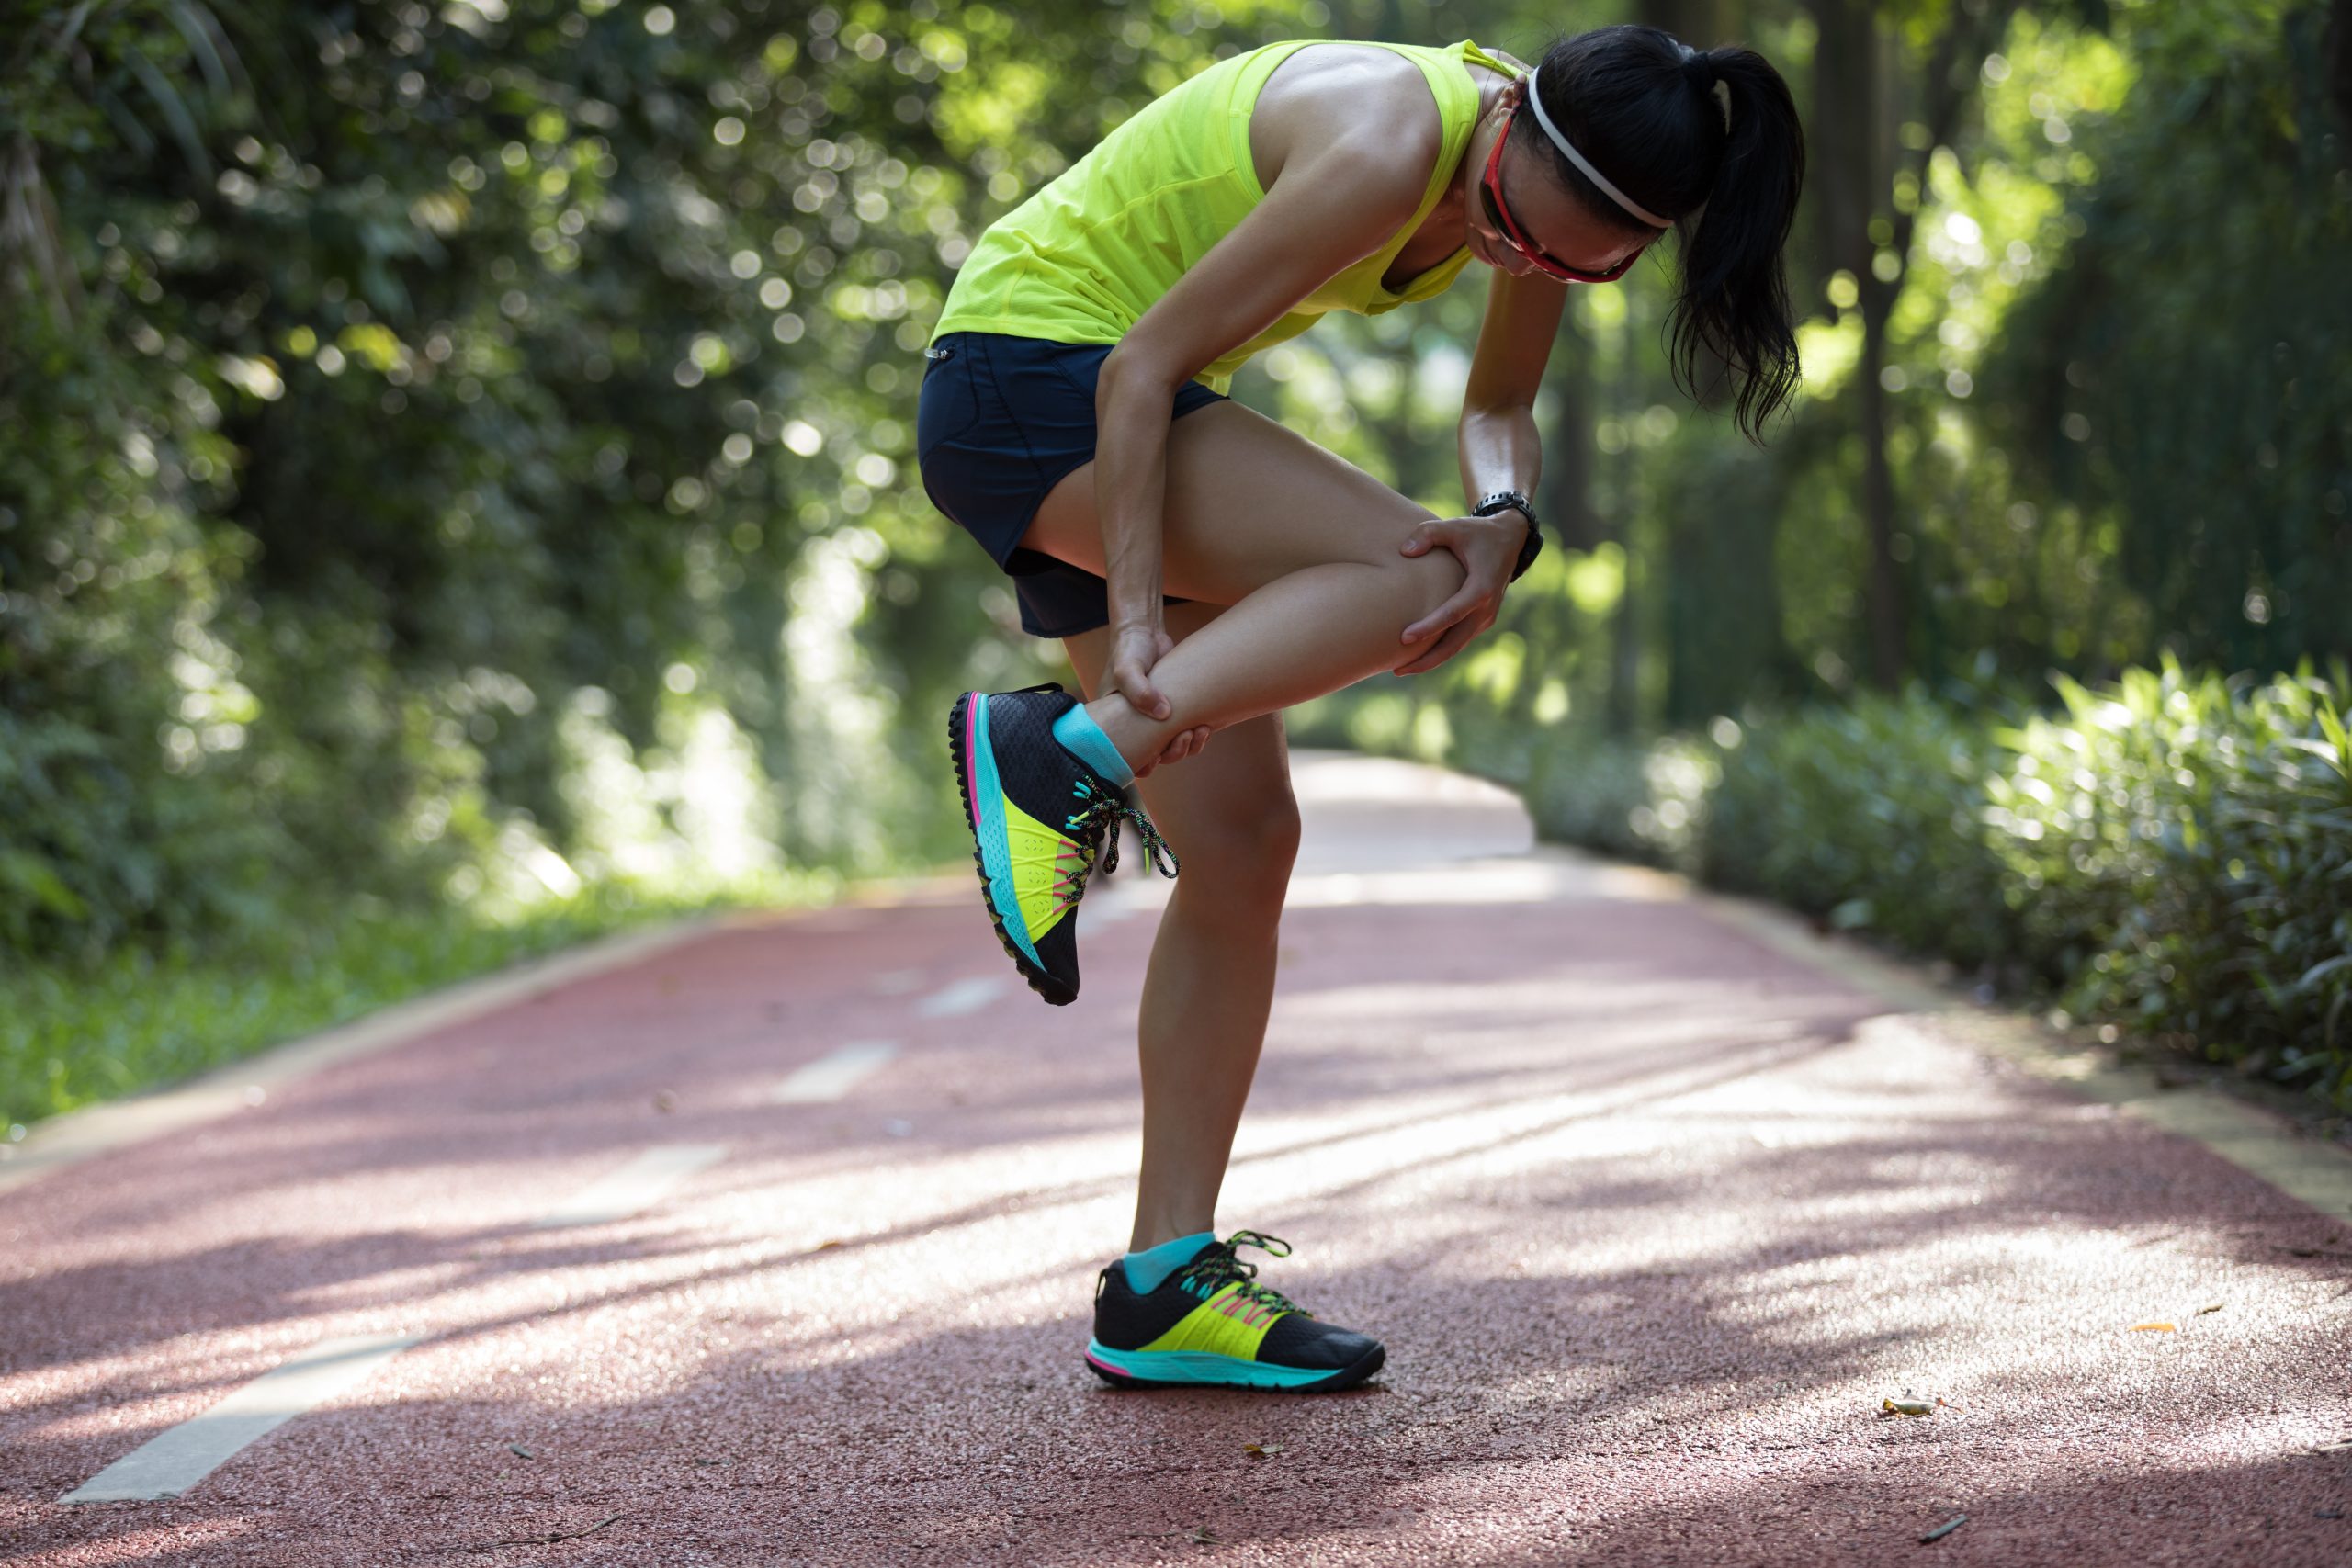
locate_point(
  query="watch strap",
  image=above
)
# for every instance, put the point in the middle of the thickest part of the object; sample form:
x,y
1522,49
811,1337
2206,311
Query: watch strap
x,y
1511,500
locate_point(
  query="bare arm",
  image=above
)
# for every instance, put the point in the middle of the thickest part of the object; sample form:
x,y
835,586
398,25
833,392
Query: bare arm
x,y
1329,209
1501,449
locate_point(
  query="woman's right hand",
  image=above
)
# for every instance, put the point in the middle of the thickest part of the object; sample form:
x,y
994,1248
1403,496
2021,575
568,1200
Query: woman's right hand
x,y
1135,650
1135,647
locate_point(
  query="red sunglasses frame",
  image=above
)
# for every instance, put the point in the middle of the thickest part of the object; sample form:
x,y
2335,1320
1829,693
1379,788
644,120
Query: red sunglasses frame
x,y
1490,188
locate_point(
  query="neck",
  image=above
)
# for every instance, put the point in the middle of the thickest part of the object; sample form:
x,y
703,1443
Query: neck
x,y
1454,207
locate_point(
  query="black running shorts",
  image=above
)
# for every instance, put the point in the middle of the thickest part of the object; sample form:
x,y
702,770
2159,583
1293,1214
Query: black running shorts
x,y
1001,421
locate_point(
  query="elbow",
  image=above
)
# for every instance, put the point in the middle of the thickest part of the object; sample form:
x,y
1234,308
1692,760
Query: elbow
x,y
1511,409
1131,368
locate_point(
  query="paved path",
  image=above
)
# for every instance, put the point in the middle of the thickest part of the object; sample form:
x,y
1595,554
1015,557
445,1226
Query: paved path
x,y
775,1248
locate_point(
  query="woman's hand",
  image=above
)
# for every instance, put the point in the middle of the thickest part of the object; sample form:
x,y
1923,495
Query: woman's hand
x,y
1135,650
1488,548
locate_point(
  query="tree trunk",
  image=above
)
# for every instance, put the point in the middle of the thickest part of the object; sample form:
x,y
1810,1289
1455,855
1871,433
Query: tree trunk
x,y
1882,595
1563,495
1852,149
2339,59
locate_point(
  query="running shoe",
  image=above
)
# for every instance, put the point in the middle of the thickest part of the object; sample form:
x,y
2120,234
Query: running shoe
x,y
1212,1323
1041,820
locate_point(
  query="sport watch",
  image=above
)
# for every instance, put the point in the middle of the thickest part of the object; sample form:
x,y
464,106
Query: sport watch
x,y
1510,499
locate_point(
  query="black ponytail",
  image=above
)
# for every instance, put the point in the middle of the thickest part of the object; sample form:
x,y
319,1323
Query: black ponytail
x,y
1649,112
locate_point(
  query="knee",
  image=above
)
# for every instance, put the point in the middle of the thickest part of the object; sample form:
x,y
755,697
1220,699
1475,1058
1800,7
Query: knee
x,y
1246,848
1427,580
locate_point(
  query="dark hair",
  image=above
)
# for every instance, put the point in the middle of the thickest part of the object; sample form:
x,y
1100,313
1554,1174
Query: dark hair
x,y
1643,108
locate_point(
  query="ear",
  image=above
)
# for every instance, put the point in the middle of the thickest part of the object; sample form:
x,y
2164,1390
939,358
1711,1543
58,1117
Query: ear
x,y
1506,103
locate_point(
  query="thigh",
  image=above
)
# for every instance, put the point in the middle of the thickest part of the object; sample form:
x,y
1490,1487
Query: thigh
x,y
1243,765
1249,500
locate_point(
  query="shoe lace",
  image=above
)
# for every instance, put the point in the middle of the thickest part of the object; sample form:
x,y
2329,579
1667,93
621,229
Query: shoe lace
x,y
1096,825
1218,1265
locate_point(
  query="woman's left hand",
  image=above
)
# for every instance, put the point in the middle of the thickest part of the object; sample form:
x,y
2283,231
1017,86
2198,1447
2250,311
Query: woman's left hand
x,y
1488,548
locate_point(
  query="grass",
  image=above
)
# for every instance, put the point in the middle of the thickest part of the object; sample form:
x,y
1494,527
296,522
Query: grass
x,y
74,1035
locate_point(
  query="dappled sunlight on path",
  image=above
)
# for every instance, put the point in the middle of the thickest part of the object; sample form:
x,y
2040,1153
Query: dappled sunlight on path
x,y
1651,1215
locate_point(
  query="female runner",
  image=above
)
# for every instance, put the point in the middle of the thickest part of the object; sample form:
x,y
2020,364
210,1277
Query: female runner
x,y
1206,567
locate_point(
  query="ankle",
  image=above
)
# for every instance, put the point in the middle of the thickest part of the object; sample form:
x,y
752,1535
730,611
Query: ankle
x,y
1084,739
1134,736
1147,1267
1159,1230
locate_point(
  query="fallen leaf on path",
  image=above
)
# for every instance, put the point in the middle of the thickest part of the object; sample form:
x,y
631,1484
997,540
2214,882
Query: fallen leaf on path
x,y
519,1451
1905,1407
554,1536
2154,1328
1259,1450
2203,1309
1202,1536
665,1102
1944,1529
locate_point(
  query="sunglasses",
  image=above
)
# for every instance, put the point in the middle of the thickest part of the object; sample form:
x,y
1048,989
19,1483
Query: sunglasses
x,y
1490,190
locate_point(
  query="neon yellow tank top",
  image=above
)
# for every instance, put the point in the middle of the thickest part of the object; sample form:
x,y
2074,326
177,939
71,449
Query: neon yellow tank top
x,y
1087,255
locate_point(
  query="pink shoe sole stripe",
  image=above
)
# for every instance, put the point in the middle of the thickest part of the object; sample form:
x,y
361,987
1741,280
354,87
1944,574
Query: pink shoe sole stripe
x,y
971,795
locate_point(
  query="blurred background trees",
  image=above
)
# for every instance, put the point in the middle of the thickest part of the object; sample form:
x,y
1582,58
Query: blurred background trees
x,y
458,456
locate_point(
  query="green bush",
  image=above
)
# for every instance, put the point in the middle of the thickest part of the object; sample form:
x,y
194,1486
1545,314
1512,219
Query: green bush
x,y
2179,849
1871,816
2171,853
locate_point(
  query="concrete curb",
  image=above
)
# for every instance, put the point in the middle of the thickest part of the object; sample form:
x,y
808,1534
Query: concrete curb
x,y
65,1141
2264,1146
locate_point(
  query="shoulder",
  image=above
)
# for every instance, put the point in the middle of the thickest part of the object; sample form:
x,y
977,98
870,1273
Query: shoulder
x,y
1367,105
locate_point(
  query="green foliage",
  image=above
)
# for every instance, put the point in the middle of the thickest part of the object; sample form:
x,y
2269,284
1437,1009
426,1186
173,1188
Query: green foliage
x,y
456,461
458,456
1904,783
2169,852
2180,372
2179,851
402,405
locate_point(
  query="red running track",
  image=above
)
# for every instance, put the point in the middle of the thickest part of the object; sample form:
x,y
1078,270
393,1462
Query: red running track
x,y
1651,1215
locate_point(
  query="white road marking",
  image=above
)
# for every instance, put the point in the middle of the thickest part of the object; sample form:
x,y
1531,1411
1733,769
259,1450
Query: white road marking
x,y
641,1183
173,1461
834,1074
968,995
1103,911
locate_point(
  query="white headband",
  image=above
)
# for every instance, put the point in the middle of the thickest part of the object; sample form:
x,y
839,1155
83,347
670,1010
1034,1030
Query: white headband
x,y
1584,164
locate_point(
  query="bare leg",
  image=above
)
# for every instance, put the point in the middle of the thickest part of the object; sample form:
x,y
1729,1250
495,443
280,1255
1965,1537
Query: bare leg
x,y
1229,815
1301,544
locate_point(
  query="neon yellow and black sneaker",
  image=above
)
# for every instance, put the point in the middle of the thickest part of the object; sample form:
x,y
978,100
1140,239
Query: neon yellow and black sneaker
x,y
1211,1323
1041,818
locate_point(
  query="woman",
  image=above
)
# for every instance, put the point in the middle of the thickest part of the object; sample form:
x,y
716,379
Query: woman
x,y
1206,567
